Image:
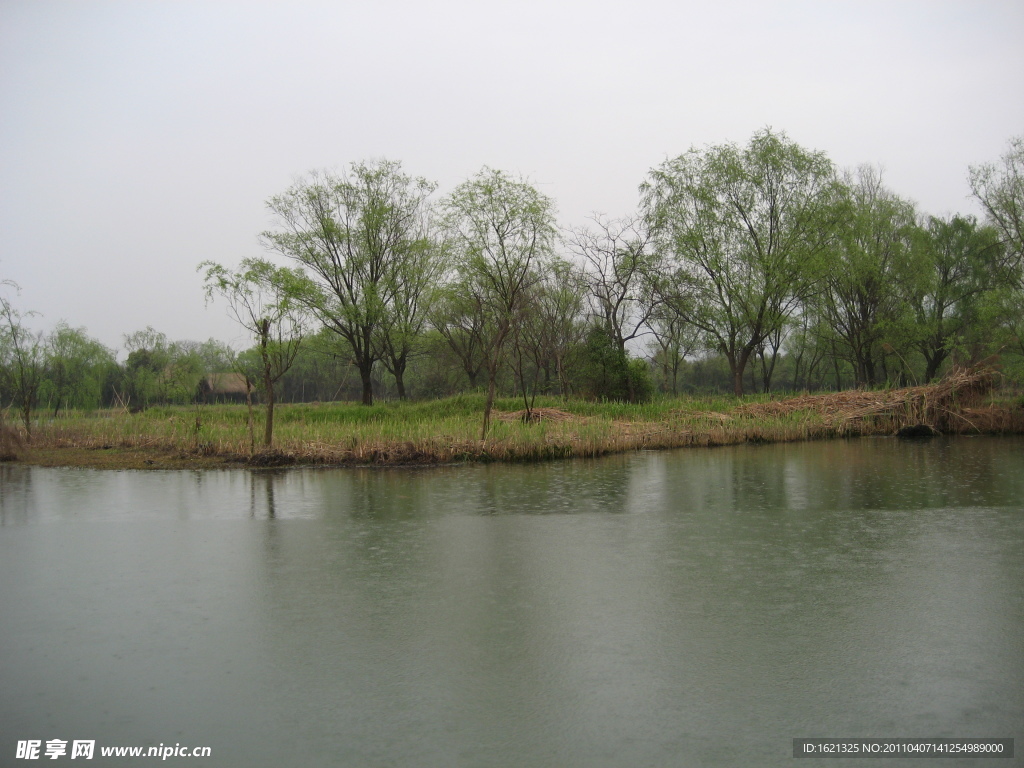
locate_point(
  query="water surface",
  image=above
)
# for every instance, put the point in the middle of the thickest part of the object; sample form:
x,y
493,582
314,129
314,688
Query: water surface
x,y
696,607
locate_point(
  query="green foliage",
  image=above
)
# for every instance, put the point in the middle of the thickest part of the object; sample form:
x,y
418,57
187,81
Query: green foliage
x,y
958,263
862,310
499,230
78,369
158,371
22,359
745,231
604,372
607,373
364,239
767,271
640,384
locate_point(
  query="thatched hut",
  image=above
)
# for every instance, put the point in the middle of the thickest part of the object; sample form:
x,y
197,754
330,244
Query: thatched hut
x,y
230,387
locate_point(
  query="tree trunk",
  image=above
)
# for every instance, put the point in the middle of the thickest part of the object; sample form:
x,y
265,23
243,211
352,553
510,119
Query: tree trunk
x,y
630,388
738,366
768,370
737,379
934,363
492,375
252,428
268,381
268,432
870,377
398,366
26,417
365,373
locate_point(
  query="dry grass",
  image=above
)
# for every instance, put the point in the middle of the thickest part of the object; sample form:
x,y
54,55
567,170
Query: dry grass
x,y
942,406
11,443
537,415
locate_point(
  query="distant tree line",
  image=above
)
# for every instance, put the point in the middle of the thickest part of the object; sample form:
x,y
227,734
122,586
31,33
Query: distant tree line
x,y
748,268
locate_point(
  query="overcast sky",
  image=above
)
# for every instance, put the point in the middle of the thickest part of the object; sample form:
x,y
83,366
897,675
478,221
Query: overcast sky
x,y
141,137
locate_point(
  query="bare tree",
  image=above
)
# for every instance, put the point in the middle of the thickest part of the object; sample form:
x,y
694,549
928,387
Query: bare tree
x,y
617,258
1000,190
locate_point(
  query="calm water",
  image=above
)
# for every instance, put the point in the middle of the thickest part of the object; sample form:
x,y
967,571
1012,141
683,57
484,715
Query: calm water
x,y
691,608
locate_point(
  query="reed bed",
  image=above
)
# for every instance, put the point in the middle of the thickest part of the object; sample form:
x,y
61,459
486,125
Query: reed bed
x,y
447,431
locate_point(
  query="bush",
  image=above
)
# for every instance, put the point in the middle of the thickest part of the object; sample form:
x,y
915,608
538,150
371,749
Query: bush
x,y
608,374
640,377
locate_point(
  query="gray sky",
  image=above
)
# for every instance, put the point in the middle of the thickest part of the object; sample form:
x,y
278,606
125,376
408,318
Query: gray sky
x,y
141,137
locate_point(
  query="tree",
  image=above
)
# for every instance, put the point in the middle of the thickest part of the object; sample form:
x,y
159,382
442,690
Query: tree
x,y
673,341
148,357
863,299
460,319
160,371
147,367
77,368
1000,190
356,234
617,262
556,313
958,263
415,288
617,258
268,302
606,372
744,231
499,229
21,358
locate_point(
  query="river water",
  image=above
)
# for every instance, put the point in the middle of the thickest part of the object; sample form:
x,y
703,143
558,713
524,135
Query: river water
x,y
685,608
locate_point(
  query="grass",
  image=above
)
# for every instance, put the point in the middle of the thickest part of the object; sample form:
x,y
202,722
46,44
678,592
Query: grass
x,y
448,430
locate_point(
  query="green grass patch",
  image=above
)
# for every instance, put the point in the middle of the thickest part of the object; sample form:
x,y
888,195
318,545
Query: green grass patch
x,y
445,430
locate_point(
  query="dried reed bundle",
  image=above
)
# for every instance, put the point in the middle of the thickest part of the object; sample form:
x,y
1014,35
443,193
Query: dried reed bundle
x,y
938,405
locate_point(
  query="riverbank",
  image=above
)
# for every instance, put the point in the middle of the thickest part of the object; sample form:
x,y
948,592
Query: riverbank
x,y
447,431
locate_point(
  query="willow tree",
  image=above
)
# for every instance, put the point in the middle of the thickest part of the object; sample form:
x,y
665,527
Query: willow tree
x,y
499,230
355,234
78,367
958,263
744,231
268,301
863,302
414,287
459,317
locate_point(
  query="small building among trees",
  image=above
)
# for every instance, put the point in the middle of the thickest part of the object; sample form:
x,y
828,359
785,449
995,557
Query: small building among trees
x,y
230,387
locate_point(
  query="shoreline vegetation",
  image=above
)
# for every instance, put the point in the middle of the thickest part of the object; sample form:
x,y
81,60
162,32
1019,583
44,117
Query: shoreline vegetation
x,y
446,431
